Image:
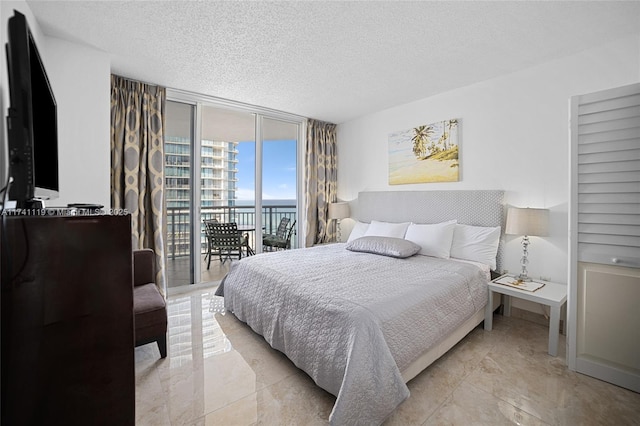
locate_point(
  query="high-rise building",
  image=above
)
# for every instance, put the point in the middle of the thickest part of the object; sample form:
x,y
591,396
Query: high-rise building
x,y
217,172
217,185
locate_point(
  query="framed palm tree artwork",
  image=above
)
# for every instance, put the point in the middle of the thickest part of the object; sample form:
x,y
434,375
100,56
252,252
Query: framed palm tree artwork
x,y
425,154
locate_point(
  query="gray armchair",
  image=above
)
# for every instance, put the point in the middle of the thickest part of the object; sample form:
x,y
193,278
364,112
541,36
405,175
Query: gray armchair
x,y
149,306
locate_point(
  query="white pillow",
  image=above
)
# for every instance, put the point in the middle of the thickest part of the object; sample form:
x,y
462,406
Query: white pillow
x,y
434,239
477,243
358,231
387,229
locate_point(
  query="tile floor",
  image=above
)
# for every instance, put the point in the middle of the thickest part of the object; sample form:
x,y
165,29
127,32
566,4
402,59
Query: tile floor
x,y
219,372
178,272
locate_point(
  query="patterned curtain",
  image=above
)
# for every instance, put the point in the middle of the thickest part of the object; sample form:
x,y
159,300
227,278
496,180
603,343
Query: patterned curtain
x,y
321,179
137,162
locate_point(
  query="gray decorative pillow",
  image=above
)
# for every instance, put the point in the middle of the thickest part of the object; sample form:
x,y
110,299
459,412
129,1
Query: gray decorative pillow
x,y
386,246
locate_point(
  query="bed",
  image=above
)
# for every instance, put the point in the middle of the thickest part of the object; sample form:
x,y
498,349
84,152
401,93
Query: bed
x,y
359,320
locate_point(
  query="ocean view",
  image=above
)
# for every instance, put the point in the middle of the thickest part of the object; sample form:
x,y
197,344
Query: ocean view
x,y
266,203
272,211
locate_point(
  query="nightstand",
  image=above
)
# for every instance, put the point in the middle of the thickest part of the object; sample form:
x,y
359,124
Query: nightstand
x,y
552,294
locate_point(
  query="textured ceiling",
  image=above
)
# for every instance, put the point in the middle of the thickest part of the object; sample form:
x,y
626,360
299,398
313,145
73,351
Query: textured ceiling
x,y
333,61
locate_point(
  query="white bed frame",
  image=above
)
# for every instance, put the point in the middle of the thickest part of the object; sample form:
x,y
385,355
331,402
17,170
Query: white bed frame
x,y
479,208
428,357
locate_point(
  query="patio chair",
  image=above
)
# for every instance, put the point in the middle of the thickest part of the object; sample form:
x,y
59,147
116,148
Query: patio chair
x,y
244,243
282,237
225,240
211,249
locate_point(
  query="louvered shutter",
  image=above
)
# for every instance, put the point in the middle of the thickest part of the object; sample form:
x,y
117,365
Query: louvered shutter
x,y
608,165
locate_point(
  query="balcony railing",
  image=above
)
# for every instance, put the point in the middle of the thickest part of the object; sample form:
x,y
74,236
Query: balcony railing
x,y
179,223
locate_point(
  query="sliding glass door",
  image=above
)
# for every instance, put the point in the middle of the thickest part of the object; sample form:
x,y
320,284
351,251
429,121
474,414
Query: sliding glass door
x,y
226,163
279,177
228,184
179,144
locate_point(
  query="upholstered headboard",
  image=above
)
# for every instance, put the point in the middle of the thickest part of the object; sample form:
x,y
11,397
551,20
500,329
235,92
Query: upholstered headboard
x,y
479,208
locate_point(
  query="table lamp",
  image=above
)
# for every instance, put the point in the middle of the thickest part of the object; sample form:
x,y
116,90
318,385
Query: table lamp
x,y
339,211
527,222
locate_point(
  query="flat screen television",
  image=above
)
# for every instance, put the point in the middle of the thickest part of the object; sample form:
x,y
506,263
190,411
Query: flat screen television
x,y
31,121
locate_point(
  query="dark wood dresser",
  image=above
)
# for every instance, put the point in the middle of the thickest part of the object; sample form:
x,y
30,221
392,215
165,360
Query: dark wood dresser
x,y
67,337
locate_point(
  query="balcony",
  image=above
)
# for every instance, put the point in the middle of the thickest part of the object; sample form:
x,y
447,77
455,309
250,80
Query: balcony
x,y
179,236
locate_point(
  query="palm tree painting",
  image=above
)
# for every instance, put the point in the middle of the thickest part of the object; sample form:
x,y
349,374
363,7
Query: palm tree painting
x,y
424,154
421,140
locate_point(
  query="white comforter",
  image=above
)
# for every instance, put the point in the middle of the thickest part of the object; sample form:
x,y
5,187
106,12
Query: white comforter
x,y
353,321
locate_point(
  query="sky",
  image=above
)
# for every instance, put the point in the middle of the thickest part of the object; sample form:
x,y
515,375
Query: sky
x,y
278,170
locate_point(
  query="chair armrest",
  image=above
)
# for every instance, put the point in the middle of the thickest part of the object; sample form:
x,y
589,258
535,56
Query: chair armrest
x,y
144,270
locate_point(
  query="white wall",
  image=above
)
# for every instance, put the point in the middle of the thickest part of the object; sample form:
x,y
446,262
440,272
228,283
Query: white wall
x,y
514,136
80,79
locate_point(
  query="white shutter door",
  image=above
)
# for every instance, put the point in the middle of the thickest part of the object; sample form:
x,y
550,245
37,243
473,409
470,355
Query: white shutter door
x,y
604,265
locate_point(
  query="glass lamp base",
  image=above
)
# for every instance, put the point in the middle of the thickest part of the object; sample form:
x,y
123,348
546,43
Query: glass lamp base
x,y
524,260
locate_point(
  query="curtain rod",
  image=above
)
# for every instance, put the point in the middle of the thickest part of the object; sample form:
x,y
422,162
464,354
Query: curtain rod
x,y
135,80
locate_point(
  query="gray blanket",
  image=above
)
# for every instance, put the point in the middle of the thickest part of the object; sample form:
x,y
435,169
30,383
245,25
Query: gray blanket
x,y
353,321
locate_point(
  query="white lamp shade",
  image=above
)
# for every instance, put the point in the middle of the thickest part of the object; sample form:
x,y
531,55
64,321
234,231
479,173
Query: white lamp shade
x,y
531,222
339,210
